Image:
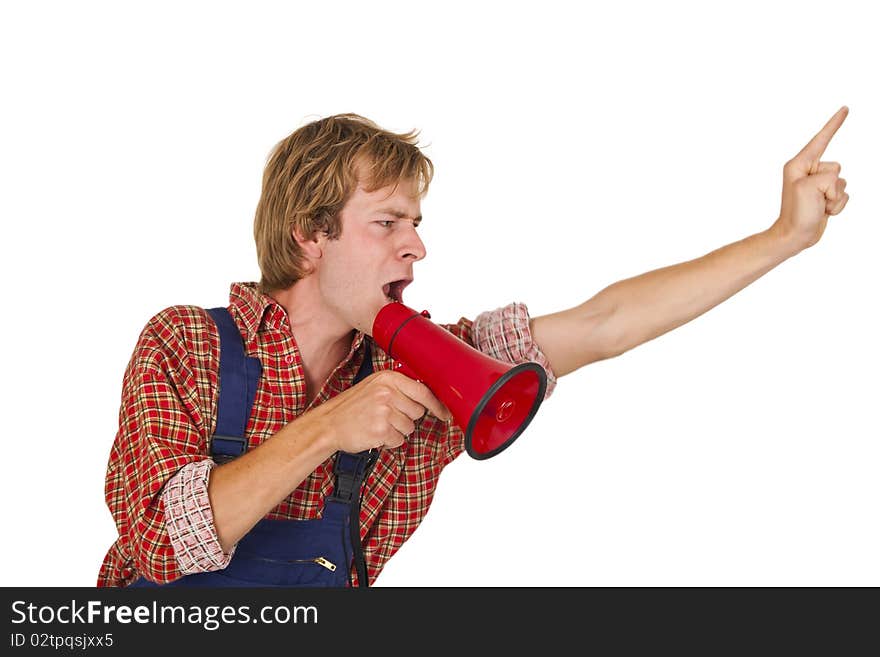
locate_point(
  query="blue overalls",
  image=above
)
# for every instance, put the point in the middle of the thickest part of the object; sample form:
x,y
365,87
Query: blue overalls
x,y
312,553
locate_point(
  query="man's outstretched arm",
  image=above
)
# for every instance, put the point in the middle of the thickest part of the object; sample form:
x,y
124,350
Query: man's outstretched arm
x,y
636,310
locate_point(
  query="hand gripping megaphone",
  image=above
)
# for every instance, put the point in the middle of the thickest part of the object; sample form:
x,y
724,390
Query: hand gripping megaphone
x,y
490,400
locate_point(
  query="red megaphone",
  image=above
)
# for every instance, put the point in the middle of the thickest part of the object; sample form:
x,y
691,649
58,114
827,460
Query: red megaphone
x,y
490,400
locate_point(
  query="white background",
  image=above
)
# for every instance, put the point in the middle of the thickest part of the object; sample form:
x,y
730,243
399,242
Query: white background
x,y
575,144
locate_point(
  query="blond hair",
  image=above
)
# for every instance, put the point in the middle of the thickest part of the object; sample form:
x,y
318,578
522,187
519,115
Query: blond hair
x,y
311,174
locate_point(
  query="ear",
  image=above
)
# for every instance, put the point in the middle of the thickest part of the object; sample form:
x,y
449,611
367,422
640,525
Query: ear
x,y
312,248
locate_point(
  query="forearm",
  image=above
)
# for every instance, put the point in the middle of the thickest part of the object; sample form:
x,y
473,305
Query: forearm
x,y
246,489
647,306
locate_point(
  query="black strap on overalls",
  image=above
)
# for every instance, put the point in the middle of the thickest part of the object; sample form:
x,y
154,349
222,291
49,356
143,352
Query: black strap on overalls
x,y
350,470
238,378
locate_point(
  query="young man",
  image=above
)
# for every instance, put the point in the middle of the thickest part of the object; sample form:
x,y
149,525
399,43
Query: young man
x,y
336,233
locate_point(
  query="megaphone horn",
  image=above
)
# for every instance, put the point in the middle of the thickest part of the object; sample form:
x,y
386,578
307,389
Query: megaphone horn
x,y
490,400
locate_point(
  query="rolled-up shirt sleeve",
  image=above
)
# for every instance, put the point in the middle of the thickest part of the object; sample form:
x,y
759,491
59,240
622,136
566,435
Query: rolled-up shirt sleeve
x,y
190,521
158,455
504,334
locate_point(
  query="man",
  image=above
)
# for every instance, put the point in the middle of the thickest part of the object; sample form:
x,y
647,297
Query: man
x,y
336,233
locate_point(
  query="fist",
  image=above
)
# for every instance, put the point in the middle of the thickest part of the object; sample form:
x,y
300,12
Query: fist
x,y
380,411
812,190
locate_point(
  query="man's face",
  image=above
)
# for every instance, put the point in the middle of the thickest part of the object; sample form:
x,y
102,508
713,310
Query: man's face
x,y
372,261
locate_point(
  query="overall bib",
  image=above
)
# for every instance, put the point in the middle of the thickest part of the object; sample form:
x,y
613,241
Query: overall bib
x,y
279,553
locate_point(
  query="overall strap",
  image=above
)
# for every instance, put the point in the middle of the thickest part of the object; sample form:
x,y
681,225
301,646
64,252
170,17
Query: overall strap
x,y
350,471
238,378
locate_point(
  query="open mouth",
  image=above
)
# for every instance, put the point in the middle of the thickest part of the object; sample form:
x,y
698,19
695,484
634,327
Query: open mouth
x,y
393,291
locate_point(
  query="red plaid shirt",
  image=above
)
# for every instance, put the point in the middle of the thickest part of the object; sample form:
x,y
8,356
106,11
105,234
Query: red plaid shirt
x,y
159,464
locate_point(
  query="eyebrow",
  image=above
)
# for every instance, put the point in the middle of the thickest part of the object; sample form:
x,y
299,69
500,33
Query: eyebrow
x,y
399,214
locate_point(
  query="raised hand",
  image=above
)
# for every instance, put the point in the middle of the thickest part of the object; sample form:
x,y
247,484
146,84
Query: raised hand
x,y
812,190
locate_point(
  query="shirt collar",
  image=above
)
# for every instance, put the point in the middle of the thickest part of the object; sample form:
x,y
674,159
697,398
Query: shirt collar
x,y
252,306
257,310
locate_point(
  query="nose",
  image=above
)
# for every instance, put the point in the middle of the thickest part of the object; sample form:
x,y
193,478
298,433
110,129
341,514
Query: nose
x,y
412,245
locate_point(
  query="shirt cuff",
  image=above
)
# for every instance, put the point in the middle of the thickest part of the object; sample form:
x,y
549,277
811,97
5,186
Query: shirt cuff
x,y
190,521
504,334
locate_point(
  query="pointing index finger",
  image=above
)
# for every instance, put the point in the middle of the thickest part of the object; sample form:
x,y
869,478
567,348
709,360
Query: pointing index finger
x,y
812,152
